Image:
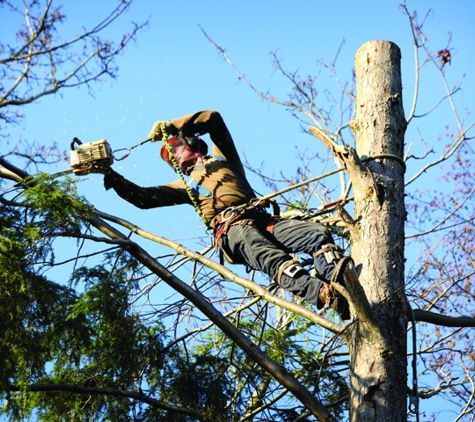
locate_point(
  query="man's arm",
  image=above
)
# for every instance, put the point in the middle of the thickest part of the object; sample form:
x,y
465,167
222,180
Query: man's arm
x,y
211,122
144,198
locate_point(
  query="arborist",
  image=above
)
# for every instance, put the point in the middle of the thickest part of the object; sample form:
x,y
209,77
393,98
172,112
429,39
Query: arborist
x,y
245,232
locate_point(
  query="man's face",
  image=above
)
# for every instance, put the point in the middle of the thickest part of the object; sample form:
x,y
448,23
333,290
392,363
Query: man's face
x,y
186,157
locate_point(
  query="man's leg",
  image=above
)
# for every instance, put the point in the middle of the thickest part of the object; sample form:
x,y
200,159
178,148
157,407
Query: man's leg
x,y
317,241
260,252
307,237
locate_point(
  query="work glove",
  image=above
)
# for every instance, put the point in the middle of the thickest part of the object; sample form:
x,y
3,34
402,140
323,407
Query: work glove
x,y
156,132
109,180
102,168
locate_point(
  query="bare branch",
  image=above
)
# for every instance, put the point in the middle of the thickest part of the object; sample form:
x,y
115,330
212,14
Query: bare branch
x,y
445,156
440,223
444,320
136,395
39,57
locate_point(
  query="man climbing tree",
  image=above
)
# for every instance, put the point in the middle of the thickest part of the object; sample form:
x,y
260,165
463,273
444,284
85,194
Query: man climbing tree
x,y
244,230
120,334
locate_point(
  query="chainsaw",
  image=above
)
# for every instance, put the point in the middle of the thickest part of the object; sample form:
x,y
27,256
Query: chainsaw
x,y
92,157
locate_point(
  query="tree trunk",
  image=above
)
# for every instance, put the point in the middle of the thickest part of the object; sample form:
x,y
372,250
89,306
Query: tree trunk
x,y
377,341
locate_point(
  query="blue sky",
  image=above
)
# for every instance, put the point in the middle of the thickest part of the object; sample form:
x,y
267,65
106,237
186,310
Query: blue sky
x,y
173,70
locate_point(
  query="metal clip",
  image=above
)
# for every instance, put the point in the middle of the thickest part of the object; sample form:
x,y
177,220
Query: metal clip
x,y
333,254
294,270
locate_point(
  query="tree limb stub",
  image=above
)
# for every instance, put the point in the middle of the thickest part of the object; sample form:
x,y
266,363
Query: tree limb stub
x,y
329,143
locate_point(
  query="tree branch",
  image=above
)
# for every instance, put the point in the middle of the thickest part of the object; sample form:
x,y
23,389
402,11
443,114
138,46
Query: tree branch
x,y
447,321
136,395
254,353
230,275
36,79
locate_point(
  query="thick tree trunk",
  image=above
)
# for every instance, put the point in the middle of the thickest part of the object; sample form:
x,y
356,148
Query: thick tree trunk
x,y
378,339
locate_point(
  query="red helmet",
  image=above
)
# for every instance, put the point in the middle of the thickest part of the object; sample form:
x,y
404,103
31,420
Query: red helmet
x,y
194,143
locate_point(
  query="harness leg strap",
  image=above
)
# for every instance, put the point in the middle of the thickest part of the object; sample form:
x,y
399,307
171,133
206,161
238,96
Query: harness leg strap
x,y
292,269
332,253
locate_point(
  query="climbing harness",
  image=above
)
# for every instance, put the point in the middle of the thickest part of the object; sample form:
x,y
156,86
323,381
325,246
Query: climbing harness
x,y
241,215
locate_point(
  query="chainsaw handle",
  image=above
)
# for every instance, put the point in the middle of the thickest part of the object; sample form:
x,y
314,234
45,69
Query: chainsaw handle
x,y
75,141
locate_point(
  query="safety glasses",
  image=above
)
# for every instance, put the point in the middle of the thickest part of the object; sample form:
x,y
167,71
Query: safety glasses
x,y
193,143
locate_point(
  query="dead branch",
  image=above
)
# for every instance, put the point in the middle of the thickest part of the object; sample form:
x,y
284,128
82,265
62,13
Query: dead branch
x,y
444,320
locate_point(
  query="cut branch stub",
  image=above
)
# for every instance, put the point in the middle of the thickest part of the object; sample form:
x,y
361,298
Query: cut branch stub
x,y
329,143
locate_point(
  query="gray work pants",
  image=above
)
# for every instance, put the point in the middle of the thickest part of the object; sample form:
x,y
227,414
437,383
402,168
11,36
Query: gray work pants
x,y
267,252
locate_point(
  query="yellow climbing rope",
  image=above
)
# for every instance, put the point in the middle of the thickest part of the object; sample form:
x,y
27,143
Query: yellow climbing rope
x,y
189,191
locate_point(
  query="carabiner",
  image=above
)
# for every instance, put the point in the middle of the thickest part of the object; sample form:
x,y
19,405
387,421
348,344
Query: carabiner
x,y
122,158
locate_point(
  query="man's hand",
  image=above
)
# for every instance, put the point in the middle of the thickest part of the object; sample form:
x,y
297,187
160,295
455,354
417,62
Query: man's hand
x,y
102,166
156,132
101,169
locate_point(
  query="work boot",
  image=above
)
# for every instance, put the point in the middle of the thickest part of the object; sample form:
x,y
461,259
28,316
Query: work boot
x,y
332,297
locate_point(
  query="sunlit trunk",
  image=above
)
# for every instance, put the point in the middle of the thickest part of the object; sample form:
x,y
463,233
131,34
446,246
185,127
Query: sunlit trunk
x,y
378,347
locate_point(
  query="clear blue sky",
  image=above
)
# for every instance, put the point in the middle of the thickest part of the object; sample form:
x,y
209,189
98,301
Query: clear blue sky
x,y
173,70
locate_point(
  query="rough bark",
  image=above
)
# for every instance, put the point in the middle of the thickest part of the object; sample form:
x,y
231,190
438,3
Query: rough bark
x,y
377,341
